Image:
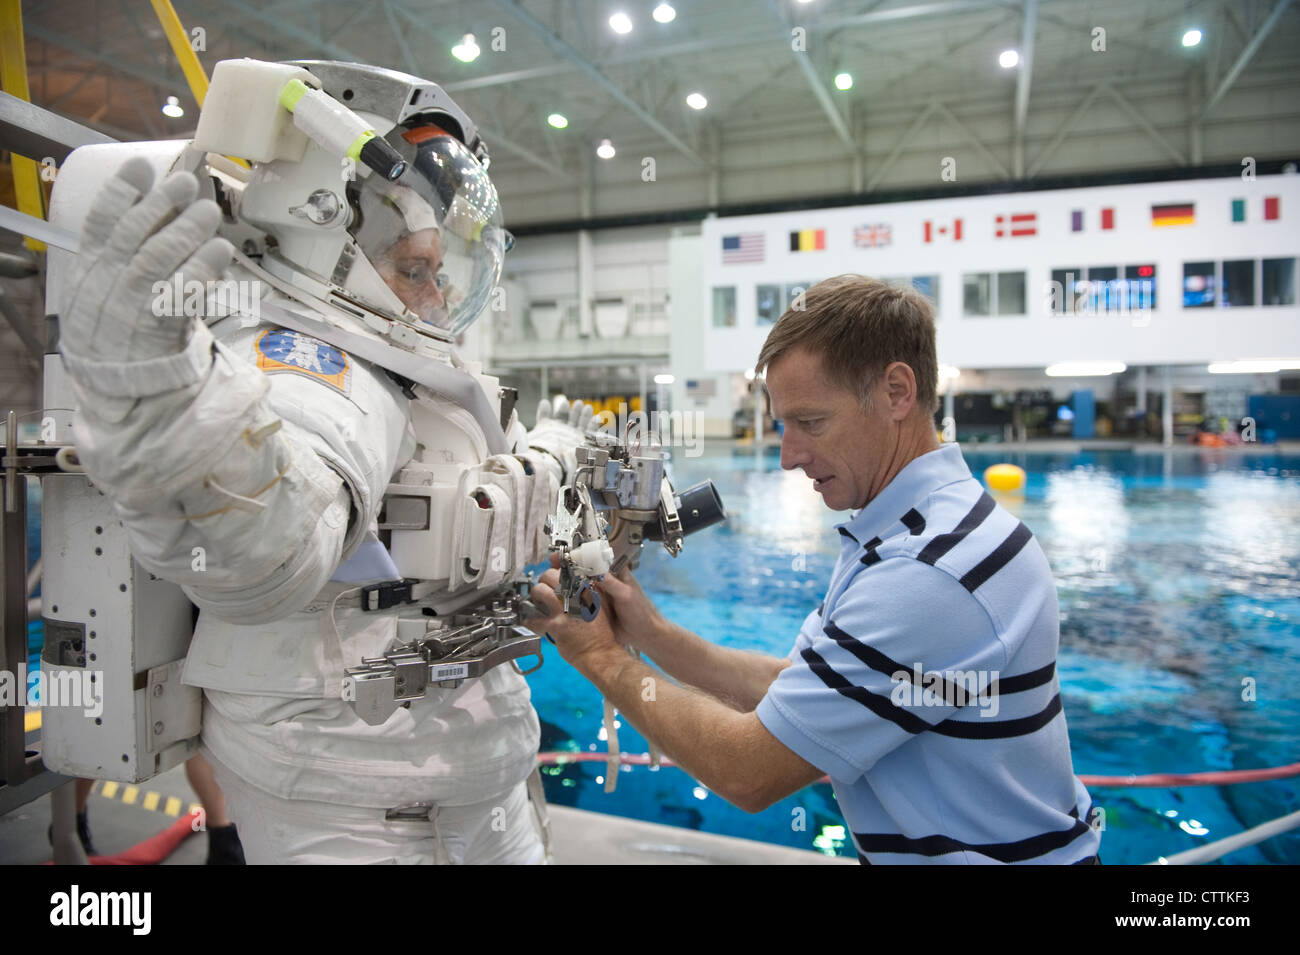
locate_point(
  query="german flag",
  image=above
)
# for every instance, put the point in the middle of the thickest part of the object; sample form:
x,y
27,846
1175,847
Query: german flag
x,y
808,240
1177,213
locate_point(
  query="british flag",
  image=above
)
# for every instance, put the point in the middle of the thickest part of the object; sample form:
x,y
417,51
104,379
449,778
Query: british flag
x,y
873,236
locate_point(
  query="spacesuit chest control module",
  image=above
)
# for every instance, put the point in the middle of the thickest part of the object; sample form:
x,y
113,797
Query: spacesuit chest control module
x,y
304,448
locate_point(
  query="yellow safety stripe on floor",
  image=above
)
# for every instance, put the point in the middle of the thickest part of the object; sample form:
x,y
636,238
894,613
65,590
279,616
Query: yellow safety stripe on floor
x,y
130,795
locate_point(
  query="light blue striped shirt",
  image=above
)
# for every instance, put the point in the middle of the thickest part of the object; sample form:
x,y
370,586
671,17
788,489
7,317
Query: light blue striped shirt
x,y
925,685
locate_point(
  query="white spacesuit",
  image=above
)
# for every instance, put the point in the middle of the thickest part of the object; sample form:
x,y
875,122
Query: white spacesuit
x,y
258,460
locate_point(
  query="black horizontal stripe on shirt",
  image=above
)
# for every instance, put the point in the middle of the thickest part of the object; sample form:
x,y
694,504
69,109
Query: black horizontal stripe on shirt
x,y
844,532
1000,557
883,664
882,706
913,521
1026,681
1022,850
871,557
942,543
1000,729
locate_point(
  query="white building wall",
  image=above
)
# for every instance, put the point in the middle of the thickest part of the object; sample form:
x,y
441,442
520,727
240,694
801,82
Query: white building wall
x,y
1169,334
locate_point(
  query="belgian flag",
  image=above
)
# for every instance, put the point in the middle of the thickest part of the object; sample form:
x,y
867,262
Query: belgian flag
x,y
808,240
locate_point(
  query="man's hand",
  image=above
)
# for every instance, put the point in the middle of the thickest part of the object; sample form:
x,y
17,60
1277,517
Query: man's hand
x,y
635,619
577,640
136,234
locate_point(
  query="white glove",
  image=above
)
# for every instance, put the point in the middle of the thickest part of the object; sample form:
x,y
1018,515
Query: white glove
x,y
559,434
127,244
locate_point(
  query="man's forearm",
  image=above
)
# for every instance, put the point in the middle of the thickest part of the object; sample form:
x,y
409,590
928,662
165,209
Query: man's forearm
x,y
736,677
704,737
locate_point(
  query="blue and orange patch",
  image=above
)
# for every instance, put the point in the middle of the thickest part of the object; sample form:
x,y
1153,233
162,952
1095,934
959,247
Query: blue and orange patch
x,y
280,349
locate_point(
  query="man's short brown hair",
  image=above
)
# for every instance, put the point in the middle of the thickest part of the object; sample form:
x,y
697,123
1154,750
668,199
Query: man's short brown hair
x,y
859,326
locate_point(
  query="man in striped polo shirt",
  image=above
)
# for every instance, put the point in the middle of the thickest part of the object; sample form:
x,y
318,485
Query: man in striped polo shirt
x,y
925,684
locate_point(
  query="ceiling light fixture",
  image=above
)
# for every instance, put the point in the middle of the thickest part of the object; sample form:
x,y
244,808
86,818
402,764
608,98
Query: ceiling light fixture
x,y
844,81
605,150
173,108
696,101
1008,59
664,13
620,23
466,50
1191,38
558,120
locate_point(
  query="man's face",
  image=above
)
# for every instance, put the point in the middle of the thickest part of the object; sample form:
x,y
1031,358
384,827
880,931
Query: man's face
x,y
412,267
844,449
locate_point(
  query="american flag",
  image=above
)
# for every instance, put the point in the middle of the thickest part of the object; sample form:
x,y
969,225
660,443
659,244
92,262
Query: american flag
x,y
872,236
746,247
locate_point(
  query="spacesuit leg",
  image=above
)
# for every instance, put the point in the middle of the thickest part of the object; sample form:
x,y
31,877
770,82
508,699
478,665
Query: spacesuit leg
x,y
502,830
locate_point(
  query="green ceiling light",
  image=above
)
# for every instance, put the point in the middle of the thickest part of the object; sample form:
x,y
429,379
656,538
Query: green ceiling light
x,y
558,120
844,81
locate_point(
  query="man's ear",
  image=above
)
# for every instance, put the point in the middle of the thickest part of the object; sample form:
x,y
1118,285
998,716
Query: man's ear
x,y
902,389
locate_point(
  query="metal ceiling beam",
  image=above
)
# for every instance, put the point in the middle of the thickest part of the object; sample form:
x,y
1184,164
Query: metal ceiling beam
x,y
118,62
1265,29
975,141
1062,131
804,61
286,28
754,38
494,138
1029,25
903,140
1144,124
563,49
909,13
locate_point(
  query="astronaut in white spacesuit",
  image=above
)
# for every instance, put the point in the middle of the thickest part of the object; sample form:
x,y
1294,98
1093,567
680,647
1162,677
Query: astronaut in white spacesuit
x,y
249,463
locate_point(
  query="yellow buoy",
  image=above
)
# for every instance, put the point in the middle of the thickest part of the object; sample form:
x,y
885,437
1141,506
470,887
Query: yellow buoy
x,y
1005,477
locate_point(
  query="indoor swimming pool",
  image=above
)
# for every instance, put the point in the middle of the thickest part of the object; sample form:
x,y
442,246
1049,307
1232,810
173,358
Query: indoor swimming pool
x,y
1178,576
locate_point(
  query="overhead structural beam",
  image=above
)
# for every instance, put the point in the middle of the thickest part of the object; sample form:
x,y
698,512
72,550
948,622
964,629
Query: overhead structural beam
x,y
1144,124
1062,131
119,63
975,141
1028,27
897,151
31,131
731,39
495,139
287,28
804,61
1231,76
563,49
909,13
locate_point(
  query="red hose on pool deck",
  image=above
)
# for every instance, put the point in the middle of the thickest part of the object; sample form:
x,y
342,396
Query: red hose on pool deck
x,y
1221,778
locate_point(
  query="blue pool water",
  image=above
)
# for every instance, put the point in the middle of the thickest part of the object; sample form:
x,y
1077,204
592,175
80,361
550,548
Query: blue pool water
x,y
1178,577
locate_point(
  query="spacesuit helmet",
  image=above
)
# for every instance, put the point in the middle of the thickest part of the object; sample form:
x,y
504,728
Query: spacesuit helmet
x,y
435,234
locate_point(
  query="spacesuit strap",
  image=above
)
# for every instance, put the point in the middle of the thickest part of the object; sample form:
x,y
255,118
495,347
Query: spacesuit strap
x,y
543,495
507,472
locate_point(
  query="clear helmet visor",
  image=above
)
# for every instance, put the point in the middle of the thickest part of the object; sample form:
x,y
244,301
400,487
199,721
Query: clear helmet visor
x,y
435,235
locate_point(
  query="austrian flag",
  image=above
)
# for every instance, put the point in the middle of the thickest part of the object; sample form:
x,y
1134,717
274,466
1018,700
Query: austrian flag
x,y
1017,225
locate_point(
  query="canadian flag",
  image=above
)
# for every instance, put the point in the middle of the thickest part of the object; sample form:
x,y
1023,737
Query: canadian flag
x,y
954,230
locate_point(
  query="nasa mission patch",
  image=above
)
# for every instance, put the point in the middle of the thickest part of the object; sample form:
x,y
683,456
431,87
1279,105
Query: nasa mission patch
x,y
279,349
